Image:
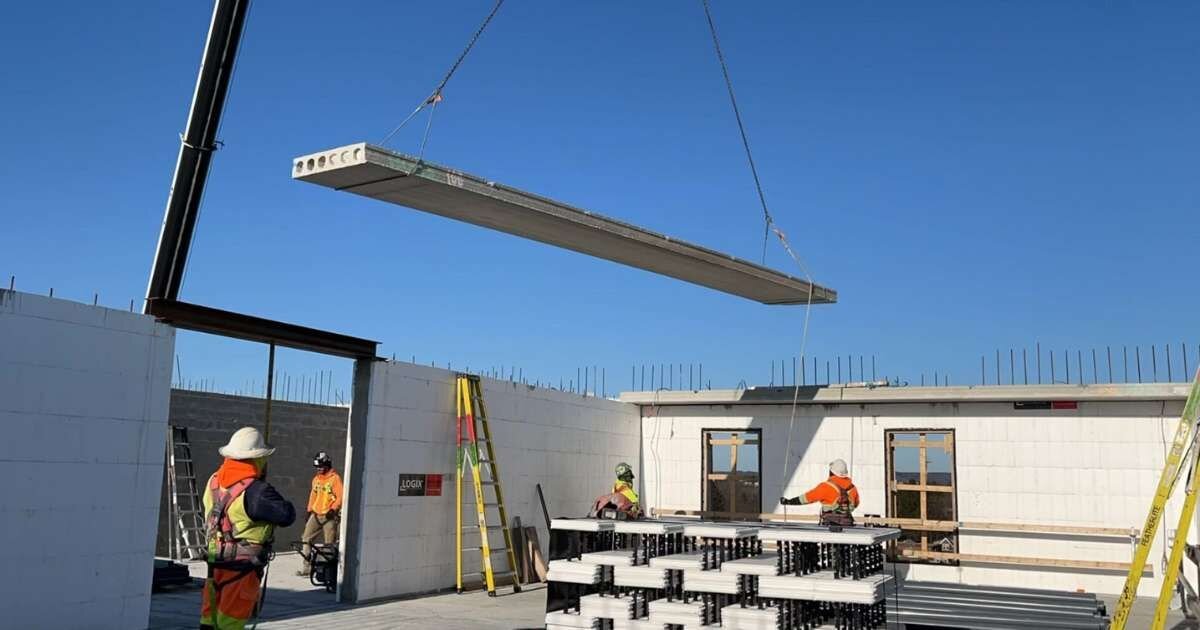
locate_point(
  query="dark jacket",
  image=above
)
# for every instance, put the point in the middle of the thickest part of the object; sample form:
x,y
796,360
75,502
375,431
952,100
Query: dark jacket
x,y
264,504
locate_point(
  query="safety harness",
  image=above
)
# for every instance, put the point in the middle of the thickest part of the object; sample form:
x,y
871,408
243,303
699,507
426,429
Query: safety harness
x,y
225,550
841,514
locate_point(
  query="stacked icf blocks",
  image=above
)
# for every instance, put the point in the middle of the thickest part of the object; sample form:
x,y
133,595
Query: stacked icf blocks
x,y
656,574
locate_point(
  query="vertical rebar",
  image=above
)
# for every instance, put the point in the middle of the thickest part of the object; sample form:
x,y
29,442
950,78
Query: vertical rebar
x,y
873,377
1170,374
691,377
861,376
1012,367
1125,360
604,382
827,372
1039,361
1137,353
998,379
1154,362
1183,349
1108,351
1052,377
700,375
922,379
1067,365
982,370
772,371
795,383
1025,364
840,369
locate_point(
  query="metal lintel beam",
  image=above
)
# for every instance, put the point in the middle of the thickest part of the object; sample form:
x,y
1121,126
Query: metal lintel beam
x,y
227,323
405,180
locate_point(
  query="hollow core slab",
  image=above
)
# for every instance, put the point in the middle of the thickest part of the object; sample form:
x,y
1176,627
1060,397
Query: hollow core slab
x,y
388,176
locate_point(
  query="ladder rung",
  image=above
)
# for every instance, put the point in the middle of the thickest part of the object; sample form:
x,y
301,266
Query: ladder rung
x,y
496,574
490,549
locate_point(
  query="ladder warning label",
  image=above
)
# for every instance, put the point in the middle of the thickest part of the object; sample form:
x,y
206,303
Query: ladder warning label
x,y
422,485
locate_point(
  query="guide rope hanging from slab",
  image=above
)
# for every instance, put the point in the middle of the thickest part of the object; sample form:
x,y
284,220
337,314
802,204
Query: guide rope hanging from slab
x,y
769,225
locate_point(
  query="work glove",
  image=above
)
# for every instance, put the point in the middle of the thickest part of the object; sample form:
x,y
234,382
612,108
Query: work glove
x,y
791,501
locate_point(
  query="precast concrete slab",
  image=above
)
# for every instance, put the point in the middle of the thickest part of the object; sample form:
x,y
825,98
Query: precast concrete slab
x,y
404,180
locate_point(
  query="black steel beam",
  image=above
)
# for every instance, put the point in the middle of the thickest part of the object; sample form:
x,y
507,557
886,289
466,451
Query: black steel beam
x,y
195,149
230,324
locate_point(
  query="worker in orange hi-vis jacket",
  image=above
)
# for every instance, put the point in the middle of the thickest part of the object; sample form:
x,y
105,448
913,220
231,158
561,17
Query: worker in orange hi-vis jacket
x,y
837,495
324,507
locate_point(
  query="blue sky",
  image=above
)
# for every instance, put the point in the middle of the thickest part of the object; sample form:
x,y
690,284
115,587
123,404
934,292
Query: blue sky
x,y
969,176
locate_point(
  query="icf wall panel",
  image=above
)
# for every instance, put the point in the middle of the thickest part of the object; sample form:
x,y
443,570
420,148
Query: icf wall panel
x,y
83,401
1093,466
566,442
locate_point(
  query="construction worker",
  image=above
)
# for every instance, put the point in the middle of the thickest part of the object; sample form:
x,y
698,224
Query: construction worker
x,y
837,495
324,507
622,502
242,511
624,483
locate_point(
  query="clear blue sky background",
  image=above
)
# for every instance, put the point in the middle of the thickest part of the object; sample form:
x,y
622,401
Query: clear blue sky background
x,y
969,176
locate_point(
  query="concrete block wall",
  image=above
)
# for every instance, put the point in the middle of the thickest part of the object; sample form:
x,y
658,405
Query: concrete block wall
x,y
83,404
1094,466
298,431
566,442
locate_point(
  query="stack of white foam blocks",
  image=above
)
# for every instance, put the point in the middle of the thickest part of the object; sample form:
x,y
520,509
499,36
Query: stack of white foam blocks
x,y
674,575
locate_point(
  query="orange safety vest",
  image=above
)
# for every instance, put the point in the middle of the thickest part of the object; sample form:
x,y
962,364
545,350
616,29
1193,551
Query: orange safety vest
x,y
326,495
834,494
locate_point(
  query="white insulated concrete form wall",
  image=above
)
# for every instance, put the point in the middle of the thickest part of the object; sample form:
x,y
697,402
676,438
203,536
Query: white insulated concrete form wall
x,y
83,403
1094,466
566,442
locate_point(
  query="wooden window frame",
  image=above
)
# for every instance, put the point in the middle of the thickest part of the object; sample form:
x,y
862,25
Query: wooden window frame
x,y
892,488
753,436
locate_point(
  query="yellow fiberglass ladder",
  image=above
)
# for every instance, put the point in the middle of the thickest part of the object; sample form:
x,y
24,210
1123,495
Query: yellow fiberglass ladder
x,y
472,420
1183,452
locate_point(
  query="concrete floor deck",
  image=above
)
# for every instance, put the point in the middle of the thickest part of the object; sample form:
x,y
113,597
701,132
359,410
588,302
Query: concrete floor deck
x,y
292,603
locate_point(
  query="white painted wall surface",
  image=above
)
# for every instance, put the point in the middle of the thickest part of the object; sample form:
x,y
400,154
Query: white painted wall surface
x,y
1095,466
566,442
83,404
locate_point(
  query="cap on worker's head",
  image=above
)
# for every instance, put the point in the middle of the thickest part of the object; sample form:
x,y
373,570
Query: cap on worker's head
x,y
839,468
246,443
322,460
624,470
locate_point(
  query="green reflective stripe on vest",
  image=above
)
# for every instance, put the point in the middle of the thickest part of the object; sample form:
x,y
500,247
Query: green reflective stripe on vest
x,y
243,528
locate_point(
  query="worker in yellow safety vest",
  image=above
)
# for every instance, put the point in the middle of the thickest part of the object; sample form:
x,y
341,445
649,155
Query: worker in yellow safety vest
x,y
624,484
242,511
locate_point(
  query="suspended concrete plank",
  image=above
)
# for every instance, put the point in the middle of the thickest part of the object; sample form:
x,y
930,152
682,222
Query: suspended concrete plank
x,y
385,175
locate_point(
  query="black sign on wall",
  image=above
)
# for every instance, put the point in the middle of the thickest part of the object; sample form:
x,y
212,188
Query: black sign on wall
x,y
420,485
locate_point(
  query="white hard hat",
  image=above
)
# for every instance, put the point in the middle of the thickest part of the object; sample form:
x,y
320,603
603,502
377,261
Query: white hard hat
x,y
246,443
839,468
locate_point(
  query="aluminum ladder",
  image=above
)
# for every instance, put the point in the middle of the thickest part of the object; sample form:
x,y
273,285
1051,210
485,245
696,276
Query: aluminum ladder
x,y
187,513
472,421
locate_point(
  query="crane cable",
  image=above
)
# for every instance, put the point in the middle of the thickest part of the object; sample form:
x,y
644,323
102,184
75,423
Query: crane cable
x,y
768,227
435,97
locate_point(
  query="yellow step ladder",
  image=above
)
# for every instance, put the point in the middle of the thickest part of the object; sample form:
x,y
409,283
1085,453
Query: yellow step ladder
x,y
1183,452
472,421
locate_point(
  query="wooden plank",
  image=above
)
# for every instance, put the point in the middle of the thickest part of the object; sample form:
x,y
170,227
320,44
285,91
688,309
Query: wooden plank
x,y
534,550
912,523
1021,560
731,442
917,487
